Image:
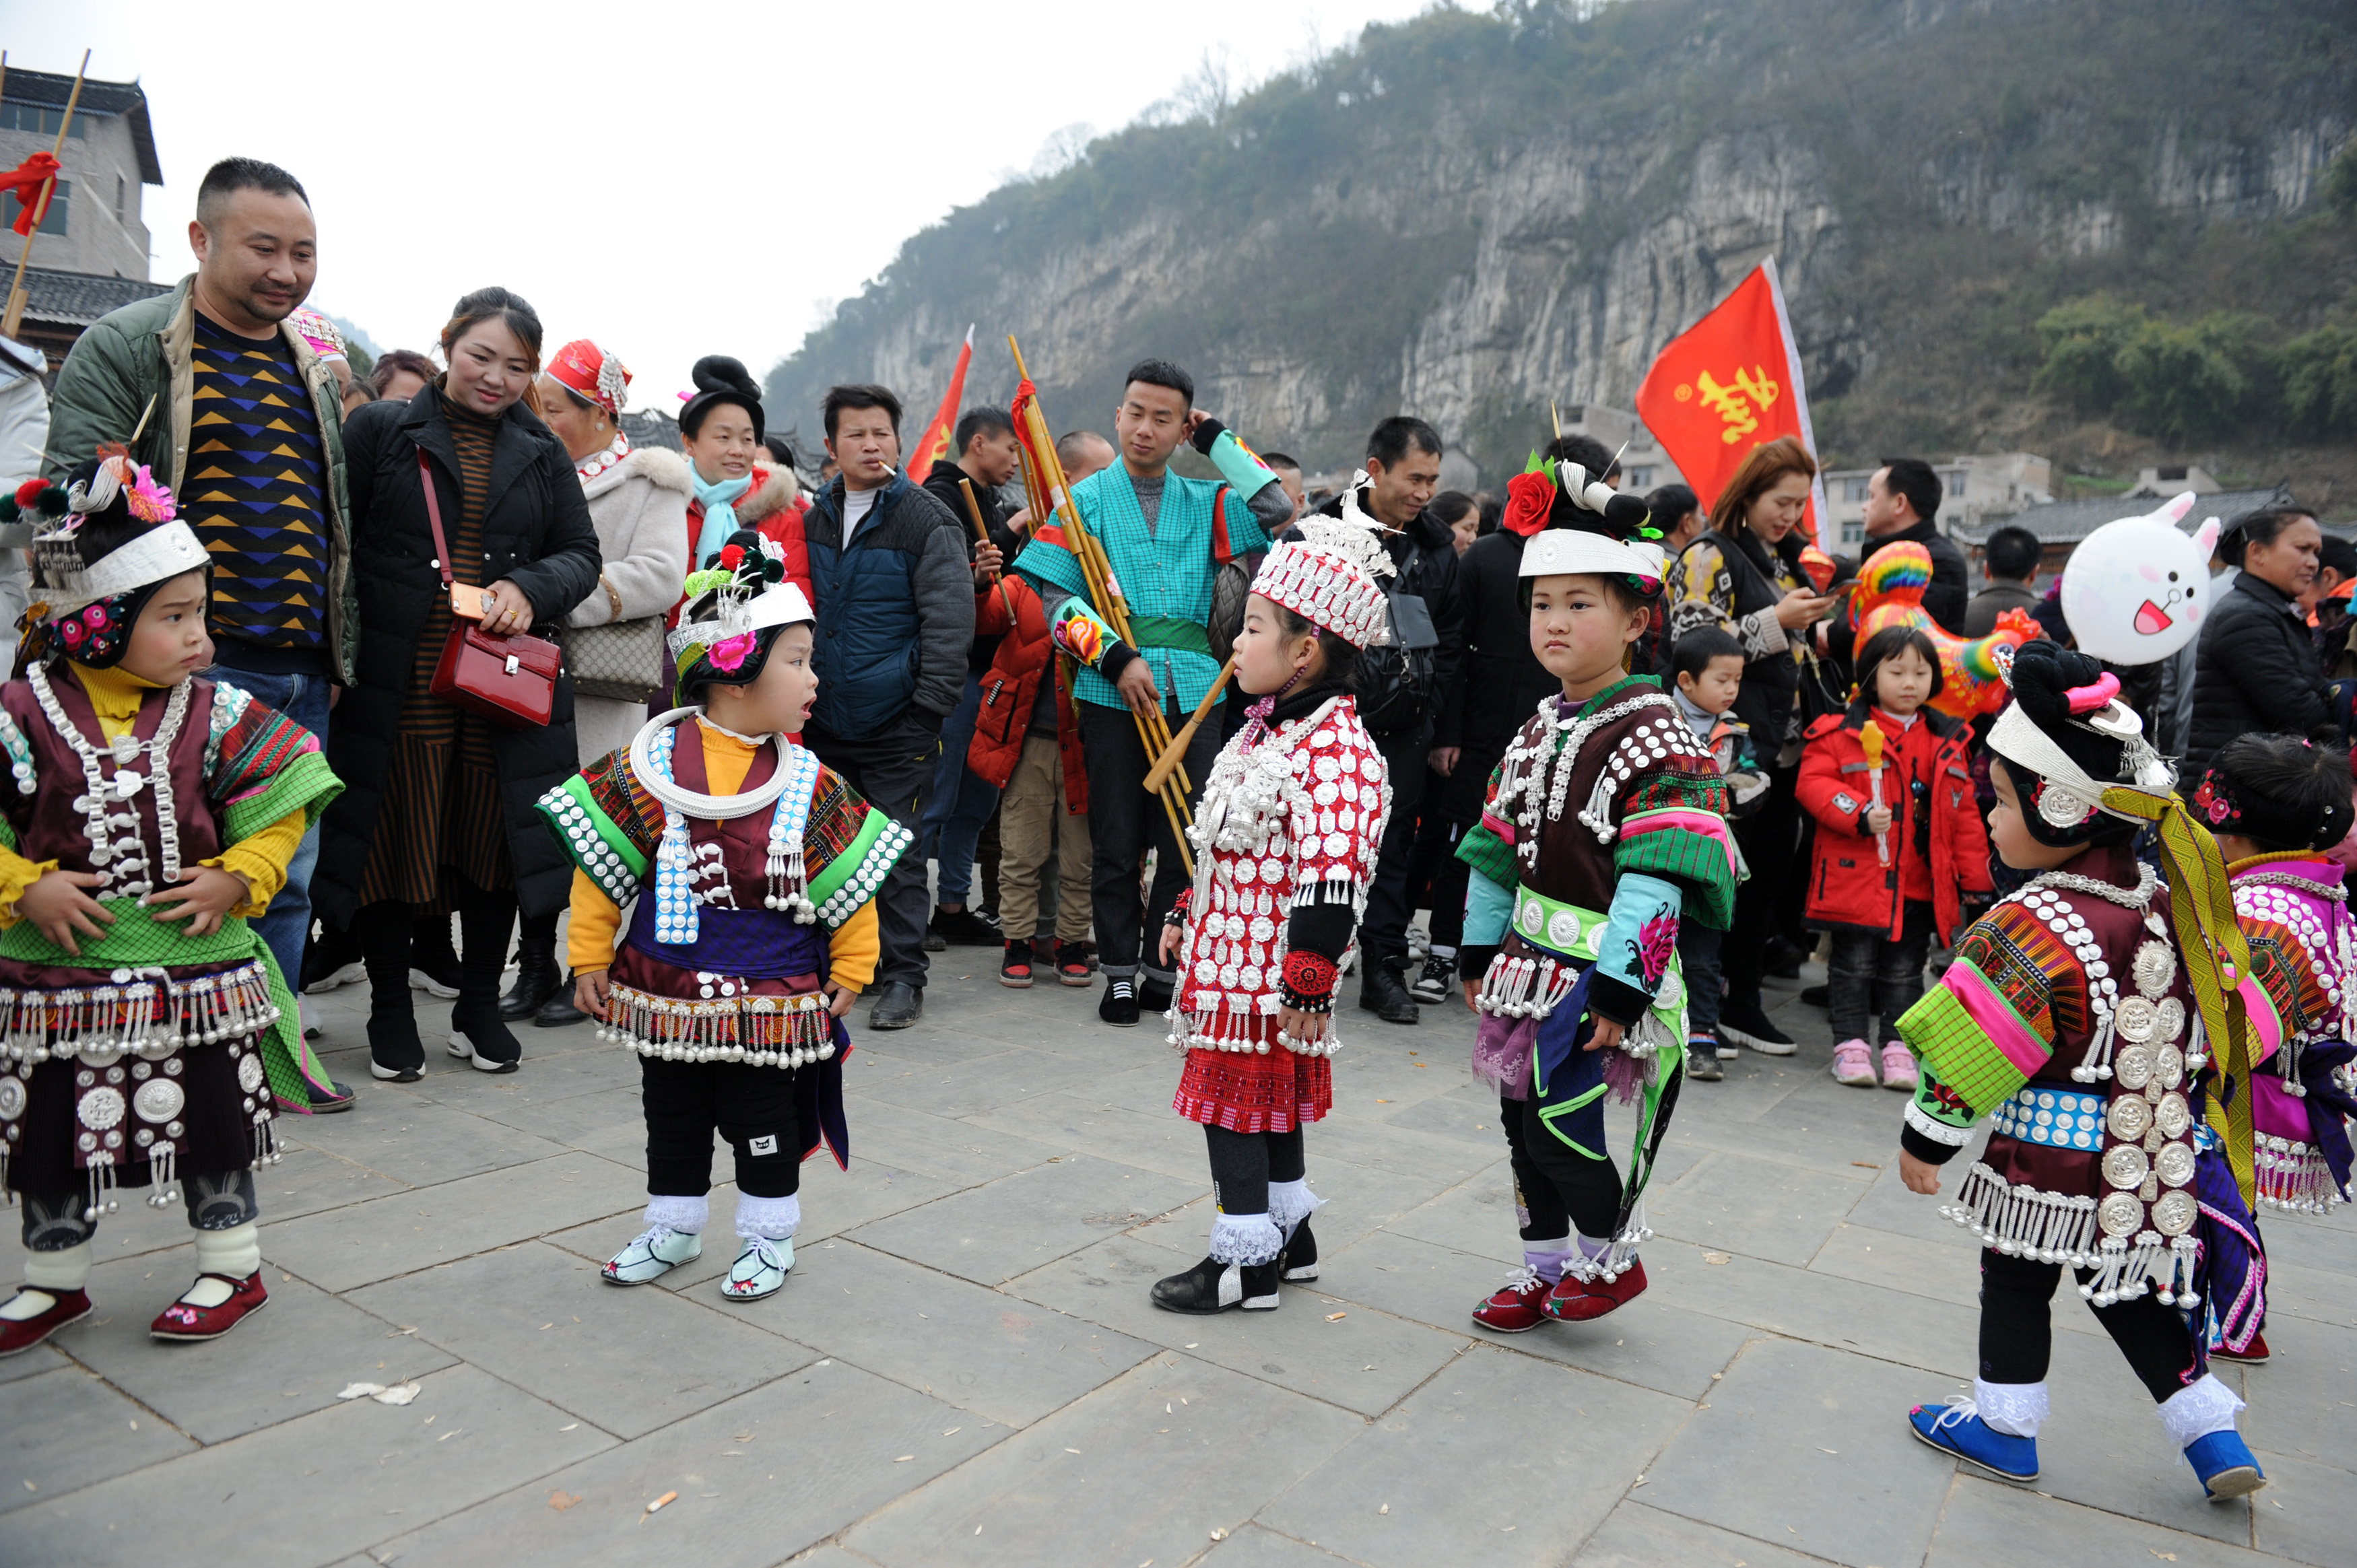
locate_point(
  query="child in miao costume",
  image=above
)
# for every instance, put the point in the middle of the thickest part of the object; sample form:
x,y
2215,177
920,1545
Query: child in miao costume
x,y
1605,826
751,872
2078,1017
2275,803
1285,843
147,1038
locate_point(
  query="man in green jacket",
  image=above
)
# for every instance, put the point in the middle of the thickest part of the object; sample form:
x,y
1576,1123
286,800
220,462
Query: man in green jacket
x,y
214,387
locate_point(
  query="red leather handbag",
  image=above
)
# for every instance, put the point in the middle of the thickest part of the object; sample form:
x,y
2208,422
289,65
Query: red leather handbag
x,y
508,679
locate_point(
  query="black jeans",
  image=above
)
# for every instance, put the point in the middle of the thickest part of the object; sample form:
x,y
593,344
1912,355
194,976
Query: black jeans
x,y
1699,948
894,773
1769,839
752,1107
2018,1328
1870,977
1123,820
1382,932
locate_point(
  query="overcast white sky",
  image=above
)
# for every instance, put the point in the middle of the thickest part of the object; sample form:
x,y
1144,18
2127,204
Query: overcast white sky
x,y
672,180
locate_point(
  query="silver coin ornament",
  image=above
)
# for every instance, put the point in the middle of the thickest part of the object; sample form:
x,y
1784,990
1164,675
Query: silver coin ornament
x,y
2172,1018
2119,1214
2129,1117
101,1109
12,1098
2155,970
249,1072
2126,1167
2132,1066
2137,1019
2173,1213
2174,1165
159,1101
2171,1070
2171,1117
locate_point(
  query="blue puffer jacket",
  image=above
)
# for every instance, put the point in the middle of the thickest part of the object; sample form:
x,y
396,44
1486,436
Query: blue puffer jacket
x,y
895,611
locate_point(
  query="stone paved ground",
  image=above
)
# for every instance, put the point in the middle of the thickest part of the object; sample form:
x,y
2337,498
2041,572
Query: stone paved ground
x,y
963,1368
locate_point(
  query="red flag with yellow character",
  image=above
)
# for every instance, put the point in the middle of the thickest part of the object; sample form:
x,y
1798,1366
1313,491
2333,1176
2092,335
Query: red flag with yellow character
x,y
934,443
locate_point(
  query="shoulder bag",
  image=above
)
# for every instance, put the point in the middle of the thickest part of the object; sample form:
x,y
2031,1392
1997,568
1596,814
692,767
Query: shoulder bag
x,y
510,681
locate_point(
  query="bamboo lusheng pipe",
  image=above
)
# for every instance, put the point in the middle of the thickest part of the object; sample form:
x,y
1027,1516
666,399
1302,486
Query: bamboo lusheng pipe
x,y
981,532
1096,572
1177,749
14,317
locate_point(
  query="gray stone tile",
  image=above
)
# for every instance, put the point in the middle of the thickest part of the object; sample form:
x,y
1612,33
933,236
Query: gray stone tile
x,y
959,1089
31,1363
2307,1512
1074,1120
1889,1206
760,1479
1464,1484
1008,1360
1364,1360
2104,1447
1126,1474
628,1359
291,1360
385,1468
2320,1295
67,1430
1802,1447
2304,1401
1843,1315
391,1236
1944,1268
419,1141
1252,1547
1647,1343
1988,1524
2301,1241
1759,1208
1635,1536
992,1233
1477,1211
939,1146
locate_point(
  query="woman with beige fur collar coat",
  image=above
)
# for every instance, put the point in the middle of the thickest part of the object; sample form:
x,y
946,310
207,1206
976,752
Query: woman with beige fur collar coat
x,y
639,505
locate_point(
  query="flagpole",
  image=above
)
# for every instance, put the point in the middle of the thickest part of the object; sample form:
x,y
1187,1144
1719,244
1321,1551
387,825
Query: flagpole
x,y
15,316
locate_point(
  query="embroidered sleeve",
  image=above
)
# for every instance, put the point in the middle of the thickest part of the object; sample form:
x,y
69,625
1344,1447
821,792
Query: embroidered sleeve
x,y
1664,797
606,823
1641,936
848,848
1341,800
261,766
1991,1022
1050,567
2284,993
1075,629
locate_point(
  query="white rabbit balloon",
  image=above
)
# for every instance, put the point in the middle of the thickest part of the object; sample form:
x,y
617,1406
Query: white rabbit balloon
x,y
2135,591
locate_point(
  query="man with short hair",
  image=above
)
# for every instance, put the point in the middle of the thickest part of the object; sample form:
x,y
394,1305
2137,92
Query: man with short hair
x,y
1165,536
1398,685
1901,500
892,581
1287,471
1081,453
988,456
238,413
2010,561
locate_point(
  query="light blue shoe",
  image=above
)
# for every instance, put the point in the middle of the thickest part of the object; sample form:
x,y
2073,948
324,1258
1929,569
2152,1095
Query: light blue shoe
x,y
1956,1428
652,1255
2226,1466
759,1270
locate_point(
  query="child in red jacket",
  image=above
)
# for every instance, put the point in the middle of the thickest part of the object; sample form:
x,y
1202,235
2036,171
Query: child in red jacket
x,y
1900,848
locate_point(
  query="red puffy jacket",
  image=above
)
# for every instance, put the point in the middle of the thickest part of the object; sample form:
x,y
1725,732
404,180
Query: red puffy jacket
x,y
1849,884
1012,612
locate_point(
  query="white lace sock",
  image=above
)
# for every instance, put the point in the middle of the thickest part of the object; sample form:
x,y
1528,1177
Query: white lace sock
x,y
1291,1202
2016,1409
1246,1239
688,1215
2196,1410
236,1252
771,1219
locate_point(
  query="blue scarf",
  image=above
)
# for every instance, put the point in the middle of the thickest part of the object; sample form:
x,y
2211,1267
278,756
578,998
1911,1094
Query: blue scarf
x,y
719,512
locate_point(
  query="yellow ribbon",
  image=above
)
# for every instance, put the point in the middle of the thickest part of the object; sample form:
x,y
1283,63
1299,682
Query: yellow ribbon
x,y
2201,902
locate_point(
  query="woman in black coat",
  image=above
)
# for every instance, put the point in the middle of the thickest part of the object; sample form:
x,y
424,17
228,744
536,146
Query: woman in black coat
x,y
2258,671
437,811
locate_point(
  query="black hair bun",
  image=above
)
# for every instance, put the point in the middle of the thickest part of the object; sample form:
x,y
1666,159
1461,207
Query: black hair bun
x,y
1625,514
2045,673
723,373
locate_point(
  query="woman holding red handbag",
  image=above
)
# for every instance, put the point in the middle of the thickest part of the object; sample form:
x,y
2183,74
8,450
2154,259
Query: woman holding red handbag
x,y
469,534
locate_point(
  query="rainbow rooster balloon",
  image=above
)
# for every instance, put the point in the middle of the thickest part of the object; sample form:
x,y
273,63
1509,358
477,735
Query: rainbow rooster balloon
x,y
1889,591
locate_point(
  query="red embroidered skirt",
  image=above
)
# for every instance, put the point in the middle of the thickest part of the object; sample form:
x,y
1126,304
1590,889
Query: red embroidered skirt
x,y
1246,1091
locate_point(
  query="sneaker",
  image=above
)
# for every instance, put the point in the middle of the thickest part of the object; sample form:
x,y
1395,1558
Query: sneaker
x,y
1119,1004
1073,965
1514,1307
329,960
2254,1354
437,976
1747,1024
1897,1067
966,929
1854,1064
1956,1428
185,1320
1702,1060
1433,981
655,1253
320,983
1213,1286
2226,1466
486,1035
1015,969
1297,1264
21,1334
323,1102
759,1270
1575,1300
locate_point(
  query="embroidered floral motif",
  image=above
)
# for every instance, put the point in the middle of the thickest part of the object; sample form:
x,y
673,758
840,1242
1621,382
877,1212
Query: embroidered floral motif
x,y
1657,939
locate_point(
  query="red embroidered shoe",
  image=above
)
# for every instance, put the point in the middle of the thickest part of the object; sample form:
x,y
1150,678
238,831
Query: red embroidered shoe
x,y
1514,1309
2251,1354
1577,1301
19,1334
182,1320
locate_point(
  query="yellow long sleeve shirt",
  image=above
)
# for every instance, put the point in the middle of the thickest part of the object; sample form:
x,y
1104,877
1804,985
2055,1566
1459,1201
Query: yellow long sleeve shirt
x,y
852,952
261,858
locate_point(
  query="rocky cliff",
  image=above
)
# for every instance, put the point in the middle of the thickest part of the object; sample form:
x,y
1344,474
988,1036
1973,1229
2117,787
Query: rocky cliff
x,y
1467,215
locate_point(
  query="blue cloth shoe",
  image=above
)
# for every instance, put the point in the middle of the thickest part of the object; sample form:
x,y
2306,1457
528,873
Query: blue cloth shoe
x,y
2226,1466
1956,1428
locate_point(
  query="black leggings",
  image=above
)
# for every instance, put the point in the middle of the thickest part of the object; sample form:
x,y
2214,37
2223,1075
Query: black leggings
x,y
1555,1186
755,1108
1243,1164
2017,1330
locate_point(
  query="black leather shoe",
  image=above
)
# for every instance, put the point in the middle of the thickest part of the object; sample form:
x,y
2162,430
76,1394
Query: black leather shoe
x,y
1154,997
1213,1286
897,1005
537,978
1118,1005
1381,993
965,928
558,1010
1298,1261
